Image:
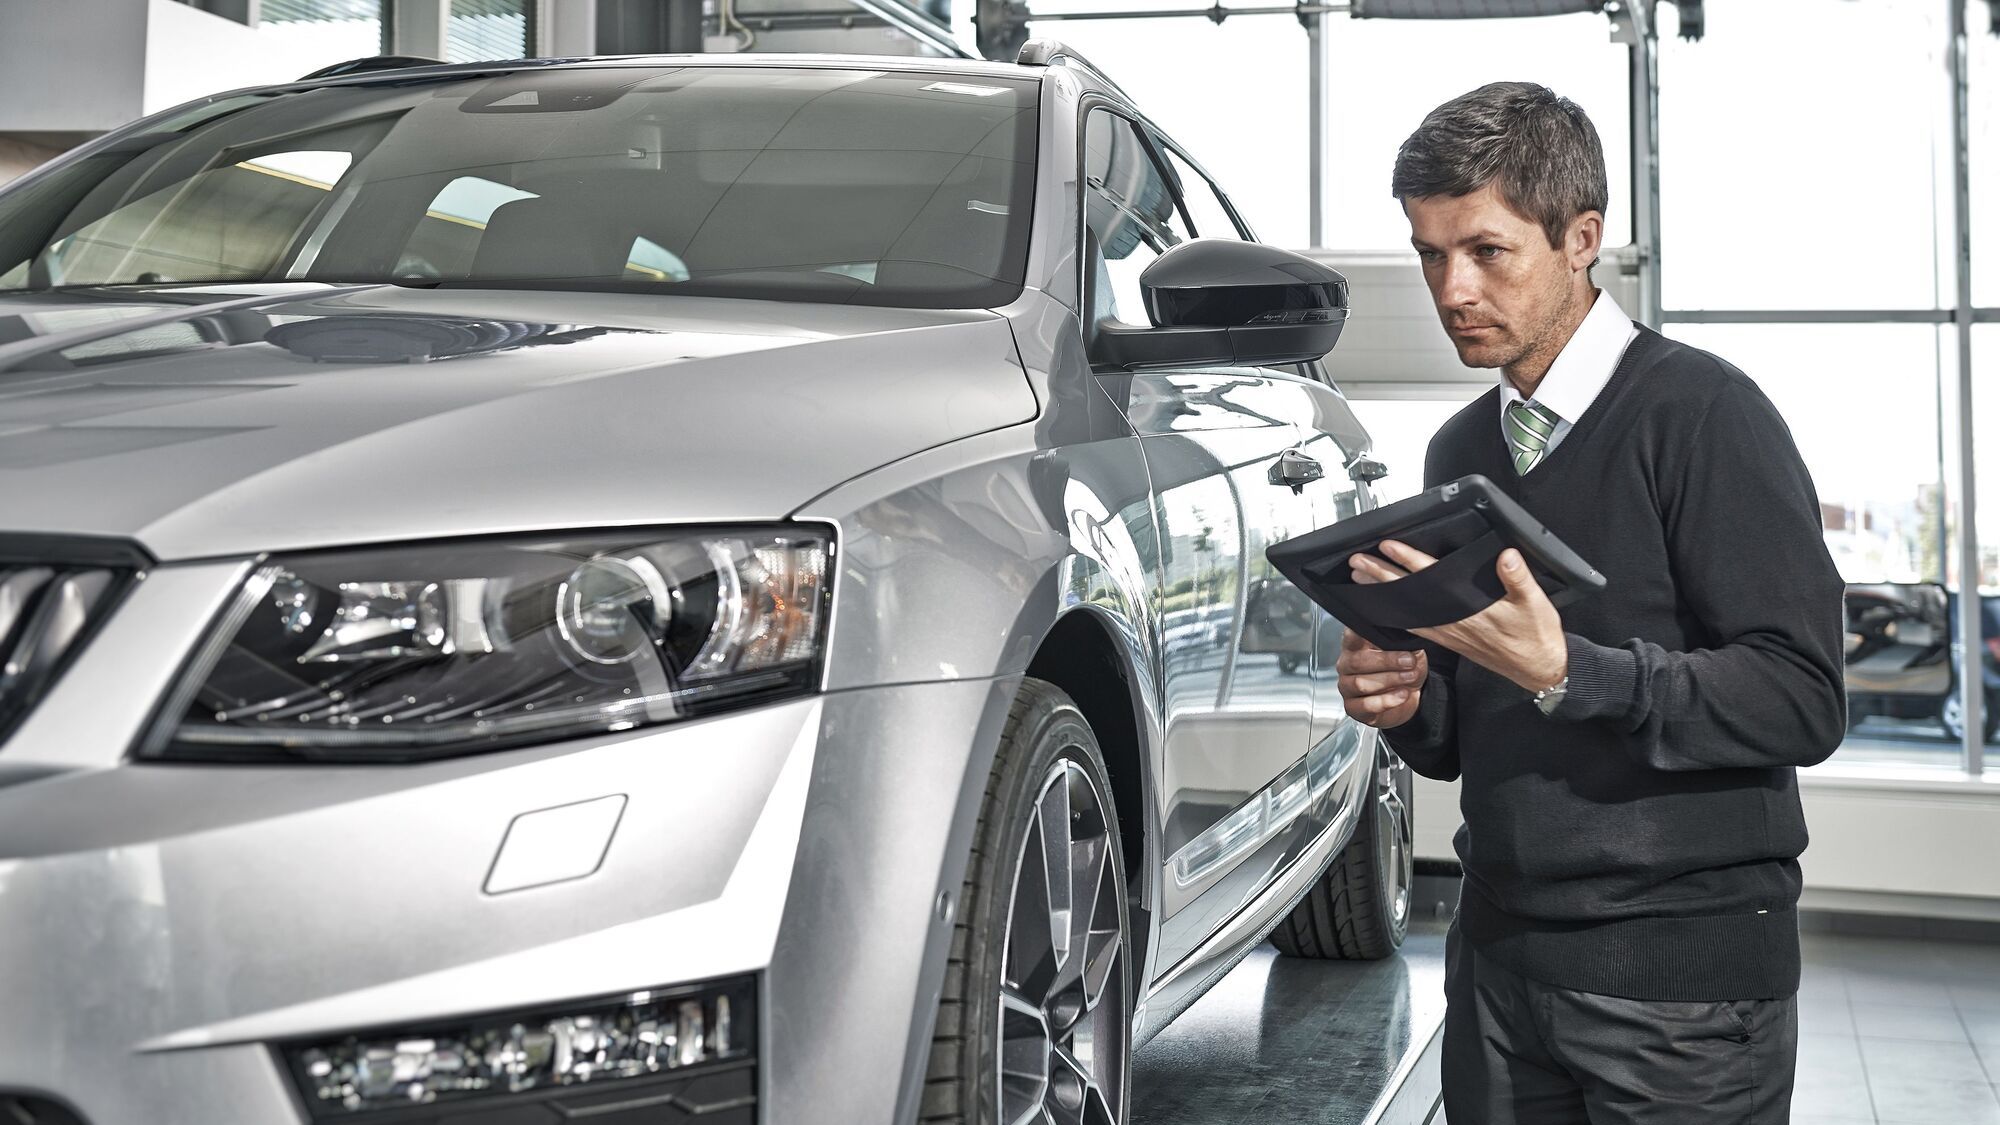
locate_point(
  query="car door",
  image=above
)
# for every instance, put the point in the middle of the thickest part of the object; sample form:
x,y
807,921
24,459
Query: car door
x,y
1236,689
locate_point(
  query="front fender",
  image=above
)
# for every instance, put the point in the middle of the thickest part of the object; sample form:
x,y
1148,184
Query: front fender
x,y
955,566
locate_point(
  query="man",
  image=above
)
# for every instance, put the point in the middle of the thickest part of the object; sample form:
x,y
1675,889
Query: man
x,y
1626,947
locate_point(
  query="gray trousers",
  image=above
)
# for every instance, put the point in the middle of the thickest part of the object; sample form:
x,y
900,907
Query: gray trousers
x,y
1517,1052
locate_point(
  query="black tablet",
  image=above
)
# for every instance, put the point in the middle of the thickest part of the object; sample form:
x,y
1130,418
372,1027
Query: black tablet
x,y
1464,524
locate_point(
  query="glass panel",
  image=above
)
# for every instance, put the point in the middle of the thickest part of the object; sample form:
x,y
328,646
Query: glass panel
x,y
1983,50
1429,62
233,222
1254,140
1130,210
329,30
833,185
1205,208
1803,150
479,30
1986,462
1862,404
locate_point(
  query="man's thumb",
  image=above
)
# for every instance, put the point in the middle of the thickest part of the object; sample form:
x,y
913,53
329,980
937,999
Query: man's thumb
x,y
1514,572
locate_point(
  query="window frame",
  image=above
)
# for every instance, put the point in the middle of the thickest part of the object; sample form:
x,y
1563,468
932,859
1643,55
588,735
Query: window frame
x,y
1165,144
1087,105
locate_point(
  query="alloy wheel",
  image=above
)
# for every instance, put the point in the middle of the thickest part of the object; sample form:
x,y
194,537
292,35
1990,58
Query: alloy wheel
x,y
1063,999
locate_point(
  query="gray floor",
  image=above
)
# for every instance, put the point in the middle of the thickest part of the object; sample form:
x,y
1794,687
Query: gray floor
x,y
1279,1040
1891,1030
1894,1030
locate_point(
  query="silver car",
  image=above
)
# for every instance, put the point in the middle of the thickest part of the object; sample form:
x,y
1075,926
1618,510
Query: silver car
x,y
652,589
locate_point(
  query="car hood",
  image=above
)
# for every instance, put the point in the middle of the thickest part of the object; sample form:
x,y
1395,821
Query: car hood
x,y
243,419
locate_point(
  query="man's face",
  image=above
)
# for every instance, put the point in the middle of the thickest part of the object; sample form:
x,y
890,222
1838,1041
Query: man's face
x,y
1504,294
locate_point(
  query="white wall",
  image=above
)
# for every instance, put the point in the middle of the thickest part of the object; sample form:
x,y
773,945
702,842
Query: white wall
x,y
70,66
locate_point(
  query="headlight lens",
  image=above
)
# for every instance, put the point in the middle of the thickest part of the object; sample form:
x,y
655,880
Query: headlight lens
x,y
422,652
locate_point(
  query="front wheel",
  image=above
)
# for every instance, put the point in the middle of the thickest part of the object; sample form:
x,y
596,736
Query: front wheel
x,y
1035,1023
1359,909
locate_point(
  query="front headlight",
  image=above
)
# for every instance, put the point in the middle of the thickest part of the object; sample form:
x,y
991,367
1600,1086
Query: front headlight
x,y
436,650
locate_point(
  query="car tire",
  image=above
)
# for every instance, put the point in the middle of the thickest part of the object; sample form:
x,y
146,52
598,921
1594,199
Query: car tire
x,y
1950,715
1021,992
1359,909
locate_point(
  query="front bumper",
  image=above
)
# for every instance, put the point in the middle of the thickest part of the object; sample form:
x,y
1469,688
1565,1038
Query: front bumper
x,y
161,926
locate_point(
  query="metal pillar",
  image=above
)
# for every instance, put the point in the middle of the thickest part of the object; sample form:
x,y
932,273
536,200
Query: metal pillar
x,y
1636,28
1971,647
417,27
1318,120
565,27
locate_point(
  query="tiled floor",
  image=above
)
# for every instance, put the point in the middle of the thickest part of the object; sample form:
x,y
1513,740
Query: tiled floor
x,y
1891,1030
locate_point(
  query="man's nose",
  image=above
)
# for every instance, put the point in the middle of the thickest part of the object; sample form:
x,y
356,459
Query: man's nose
x,y
1459,284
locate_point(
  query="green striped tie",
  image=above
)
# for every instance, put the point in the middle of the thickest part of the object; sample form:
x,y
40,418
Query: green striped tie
x,y
1529,427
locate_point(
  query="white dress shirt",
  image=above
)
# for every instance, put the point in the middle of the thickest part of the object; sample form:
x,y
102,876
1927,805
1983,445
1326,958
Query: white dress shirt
x,y
1580,371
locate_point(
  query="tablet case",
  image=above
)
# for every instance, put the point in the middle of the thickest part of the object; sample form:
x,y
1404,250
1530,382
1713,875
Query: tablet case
x,y
1464,524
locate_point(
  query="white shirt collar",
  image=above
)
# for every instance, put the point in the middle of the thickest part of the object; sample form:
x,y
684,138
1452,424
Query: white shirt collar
x,y
1585,363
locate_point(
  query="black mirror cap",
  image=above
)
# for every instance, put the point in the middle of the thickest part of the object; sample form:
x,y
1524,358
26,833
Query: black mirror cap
x,y
1250,345
1224,283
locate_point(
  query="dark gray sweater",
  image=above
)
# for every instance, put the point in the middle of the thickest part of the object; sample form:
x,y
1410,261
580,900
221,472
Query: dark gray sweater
x,y
1644,841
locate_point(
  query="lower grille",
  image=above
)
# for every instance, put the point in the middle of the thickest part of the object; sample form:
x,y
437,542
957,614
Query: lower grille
x,y
54,593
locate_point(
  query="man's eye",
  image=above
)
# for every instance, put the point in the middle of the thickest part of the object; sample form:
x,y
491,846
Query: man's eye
x,y
1429,257
1488,252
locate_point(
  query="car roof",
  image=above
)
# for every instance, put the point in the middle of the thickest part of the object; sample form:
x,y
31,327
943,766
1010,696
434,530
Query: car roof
x,y
738,59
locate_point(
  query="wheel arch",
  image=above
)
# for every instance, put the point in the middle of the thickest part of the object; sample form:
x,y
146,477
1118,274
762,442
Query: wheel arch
x,y
1082,654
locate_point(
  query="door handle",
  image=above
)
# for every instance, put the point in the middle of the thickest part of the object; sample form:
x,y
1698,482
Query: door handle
x,y
1364,469
1295,469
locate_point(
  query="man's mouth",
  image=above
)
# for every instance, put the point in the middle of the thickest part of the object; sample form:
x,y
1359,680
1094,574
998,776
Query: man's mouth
x,y
1472,329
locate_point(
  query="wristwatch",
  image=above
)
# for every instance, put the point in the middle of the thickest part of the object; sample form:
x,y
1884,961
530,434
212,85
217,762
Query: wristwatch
x,y
1550,698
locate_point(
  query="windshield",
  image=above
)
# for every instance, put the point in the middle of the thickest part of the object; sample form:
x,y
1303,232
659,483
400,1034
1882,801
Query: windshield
x,y
872,187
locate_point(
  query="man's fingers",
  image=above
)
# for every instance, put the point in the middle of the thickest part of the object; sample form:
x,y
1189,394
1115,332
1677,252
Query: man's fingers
x,y
1365,657
1357,687
1377,704
1412,559
1368,568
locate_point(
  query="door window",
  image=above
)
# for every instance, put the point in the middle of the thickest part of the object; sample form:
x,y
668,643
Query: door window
x,y
1205,207
1130,215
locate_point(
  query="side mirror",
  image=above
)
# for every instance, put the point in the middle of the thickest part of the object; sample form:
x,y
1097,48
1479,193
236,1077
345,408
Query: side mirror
x,y
1220,301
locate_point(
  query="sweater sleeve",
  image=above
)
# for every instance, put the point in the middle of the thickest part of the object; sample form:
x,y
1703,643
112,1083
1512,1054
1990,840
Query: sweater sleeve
x,y
1428,741
1745,544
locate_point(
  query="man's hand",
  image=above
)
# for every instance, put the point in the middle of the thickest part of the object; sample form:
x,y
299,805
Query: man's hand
x,y
1519,637
1379,687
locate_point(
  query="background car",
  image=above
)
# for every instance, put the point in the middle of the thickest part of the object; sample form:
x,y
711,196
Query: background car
x,y
1899,642
598,585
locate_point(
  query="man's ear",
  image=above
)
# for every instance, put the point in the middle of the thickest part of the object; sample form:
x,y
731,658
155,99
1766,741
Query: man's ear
x,y
1584,240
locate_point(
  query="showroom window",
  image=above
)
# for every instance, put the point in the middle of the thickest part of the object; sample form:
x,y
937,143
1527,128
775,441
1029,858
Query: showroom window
x,y
1428,62
478,30
1821,257
334,29
1837,209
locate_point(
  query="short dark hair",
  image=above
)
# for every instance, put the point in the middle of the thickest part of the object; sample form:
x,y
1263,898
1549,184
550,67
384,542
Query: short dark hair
x,y
1539,149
